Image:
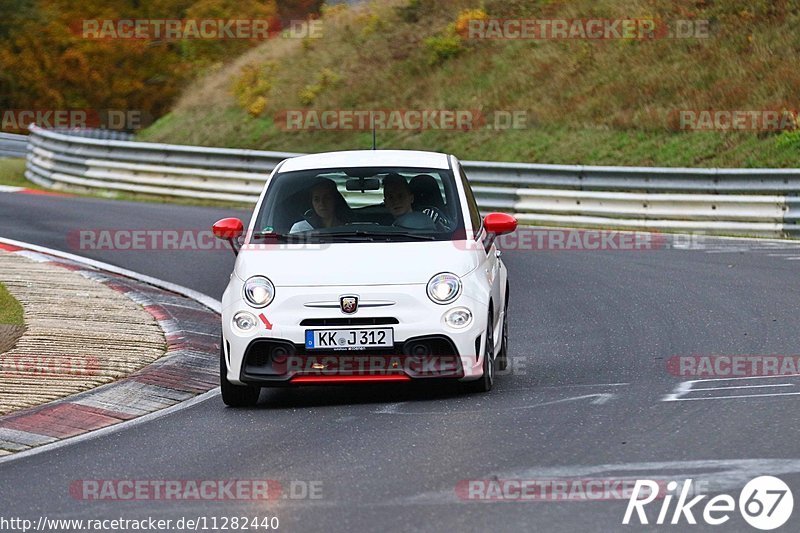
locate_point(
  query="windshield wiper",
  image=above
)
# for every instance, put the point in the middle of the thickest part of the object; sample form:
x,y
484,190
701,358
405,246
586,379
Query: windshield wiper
x,y
351,236
273,236
381,234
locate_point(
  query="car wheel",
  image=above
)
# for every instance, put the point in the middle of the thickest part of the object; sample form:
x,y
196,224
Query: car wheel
x,y
485,382
502,355
235,395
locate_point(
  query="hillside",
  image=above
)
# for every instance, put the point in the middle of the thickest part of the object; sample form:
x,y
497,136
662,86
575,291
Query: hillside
x,y
611,101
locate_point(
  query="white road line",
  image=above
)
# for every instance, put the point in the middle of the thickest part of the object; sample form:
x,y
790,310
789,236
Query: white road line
x,y
793,258
113,429
214,305
8,188
743,387
728,251
781,376
392,409
604,398
535,388
599,399
732,397
685,387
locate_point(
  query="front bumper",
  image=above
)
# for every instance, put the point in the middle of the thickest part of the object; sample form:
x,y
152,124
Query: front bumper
x,y
274,353
277,361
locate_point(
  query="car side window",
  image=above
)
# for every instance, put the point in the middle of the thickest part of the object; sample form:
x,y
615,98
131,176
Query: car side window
x,y
472,205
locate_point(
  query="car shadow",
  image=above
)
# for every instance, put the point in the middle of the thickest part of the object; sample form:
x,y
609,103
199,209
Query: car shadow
x,y
362,394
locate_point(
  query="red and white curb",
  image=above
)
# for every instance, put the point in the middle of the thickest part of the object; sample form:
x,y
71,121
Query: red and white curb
x,y
188,371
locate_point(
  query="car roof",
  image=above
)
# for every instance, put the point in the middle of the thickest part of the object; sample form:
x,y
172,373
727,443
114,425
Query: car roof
x,y
367,158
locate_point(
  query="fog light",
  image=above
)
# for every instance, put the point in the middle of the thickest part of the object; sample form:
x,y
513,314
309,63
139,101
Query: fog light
x,y
280,354
420,349
244,321
458,318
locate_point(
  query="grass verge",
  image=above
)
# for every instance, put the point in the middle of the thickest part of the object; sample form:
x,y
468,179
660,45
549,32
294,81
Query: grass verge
x,y
12,173
10,308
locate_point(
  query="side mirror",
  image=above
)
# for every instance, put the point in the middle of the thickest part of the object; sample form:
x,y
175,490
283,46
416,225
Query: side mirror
x,y
229,229
499,223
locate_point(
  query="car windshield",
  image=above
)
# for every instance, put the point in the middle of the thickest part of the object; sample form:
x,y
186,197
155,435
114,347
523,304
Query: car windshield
x,y
362,205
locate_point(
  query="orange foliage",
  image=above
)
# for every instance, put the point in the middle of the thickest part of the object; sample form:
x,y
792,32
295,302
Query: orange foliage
x,y
45,63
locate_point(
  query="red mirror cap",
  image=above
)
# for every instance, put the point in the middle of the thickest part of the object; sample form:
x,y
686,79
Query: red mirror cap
x,y
228,228
499,223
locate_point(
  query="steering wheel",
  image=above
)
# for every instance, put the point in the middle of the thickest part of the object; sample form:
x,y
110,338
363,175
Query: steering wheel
x,y
438,217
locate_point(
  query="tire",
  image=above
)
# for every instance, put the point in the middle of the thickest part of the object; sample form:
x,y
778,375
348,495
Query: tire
x,y
235,395
486,381
502,355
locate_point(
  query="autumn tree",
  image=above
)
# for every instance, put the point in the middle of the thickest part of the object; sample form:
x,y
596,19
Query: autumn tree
x,y
47,63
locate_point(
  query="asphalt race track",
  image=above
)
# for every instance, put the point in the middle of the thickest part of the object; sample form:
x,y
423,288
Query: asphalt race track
x,y
591,333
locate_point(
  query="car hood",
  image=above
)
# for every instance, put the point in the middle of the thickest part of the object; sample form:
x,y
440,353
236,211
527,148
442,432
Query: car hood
x,y
370,263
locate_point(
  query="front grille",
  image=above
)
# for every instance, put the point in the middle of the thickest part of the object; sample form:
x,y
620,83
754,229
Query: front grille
x,y
350,321
275,361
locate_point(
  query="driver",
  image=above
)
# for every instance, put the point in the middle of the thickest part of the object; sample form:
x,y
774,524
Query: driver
x,y
330,209
398,199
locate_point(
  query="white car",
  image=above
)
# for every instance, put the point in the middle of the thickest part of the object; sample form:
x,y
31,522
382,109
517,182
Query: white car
x,y
364,266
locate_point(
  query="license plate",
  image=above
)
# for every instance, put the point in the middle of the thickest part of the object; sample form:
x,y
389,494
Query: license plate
x,y
349,339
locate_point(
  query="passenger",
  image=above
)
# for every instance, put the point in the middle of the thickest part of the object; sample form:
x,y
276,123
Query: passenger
x,y
398,199
426,192
329,208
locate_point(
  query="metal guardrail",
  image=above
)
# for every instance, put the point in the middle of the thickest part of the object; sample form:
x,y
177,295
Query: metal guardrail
x,y
13,145
96,133
761,202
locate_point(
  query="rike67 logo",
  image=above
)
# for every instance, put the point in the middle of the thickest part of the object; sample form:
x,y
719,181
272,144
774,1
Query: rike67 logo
x,y
765,503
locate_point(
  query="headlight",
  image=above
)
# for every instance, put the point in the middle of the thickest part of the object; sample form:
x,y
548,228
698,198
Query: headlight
x,y
259,291
244,321
460,317
444,288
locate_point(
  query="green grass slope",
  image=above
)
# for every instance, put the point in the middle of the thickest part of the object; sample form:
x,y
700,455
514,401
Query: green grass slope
x,y
609,102
10,309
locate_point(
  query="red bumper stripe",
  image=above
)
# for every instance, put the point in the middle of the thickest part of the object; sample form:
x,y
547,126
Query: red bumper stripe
x,y
309,380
